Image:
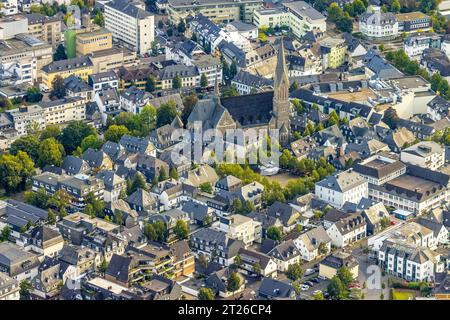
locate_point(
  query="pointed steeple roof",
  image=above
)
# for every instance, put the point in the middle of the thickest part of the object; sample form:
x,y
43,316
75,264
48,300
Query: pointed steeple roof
x,y
281,70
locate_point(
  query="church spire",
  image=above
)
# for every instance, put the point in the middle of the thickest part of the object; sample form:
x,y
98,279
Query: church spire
x,y
281,71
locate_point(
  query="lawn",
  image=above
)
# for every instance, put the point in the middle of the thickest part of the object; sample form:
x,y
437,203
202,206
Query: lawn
x,y
403,295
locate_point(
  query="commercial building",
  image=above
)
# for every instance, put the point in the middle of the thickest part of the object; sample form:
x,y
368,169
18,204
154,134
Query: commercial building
x,y
112,59
379,169
131,26
22,58
10,26
81,67
89,42
415,45
299,16
417,191
217,10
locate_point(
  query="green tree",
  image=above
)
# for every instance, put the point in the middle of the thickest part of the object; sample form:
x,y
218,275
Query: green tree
x,y
138,183
5,234
89,210
257,268
50,131
60,53
203,81
118,217
50,153
10,172
233,69
294,86
162,175
29,144
391,118
25,288
233,282
51,217
336,288
294,272
59,89
181,229
176,82
74,133
206,187
395,6
274,233
318,296
188,102
103,266
92,142
205,294
150,84
33,95
181,27
174,174
166,113
345,276
230,92
114,133
99,19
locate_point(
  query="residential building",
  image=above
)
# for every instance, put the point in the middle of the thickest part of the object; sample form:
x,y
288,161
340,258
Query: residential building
x,y
133,99
130,25
81,67
272,289
250,258
329,266
75,227
216,245
337,189
218,11
242,228
210,67
43,240
26,116
115,185
415,45
47,29
285,254
313,243
89,42
9,288
188,76
64,110
407,261
103,80
347,230
76,87
9,7
334,52
18,263
247,83
426,154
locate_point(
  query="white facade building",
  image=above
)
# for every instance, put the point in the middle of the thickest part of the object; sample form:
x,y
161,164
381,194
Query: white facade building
x,y
337,189
130,25
426,154
376,24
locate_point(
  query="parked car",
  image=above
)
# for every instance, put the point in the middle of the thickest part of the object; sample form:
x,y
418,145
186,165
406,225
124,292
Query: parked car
x,y
309,283
315,280
321,277
309,272
304,287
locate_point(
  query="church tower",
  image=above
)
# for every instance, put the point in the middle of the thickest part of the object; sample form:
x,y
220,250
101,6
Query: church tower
x,y
281,104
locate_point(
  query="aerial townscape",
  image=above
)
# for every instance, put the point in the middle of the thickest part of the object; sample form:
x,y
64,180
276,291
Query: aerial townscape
x,y
224,150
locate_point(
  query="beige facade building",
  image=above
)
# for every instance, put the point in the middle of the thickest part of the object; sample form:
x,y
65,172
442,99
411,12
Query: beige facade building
x,y
89,42
64,110
47,29
112,59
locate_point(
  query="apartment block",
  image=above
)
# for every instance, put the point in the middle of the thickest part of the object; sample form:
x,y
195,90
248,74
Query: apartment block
x,y
64,110
47,29
81,67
